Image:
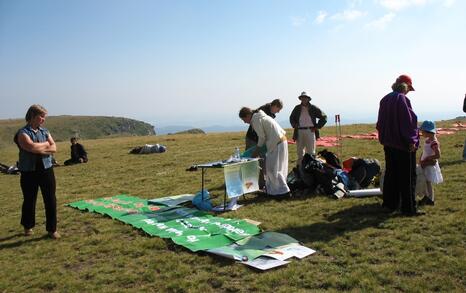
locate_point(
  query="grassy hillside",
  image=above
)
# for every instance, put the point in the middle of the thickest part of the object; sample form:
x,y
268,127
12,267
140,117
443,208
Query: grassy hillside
x,y
191,131
86,127
358,248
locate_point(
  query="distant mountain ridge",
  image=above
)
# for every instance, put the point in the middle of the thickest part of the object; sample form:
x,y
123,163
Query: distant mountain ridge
x,y
190,131
212,128
86,127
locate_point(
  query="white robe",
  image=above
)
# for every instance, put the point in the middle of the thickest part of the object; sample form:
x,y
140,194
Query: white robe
x,y
271,134
277,170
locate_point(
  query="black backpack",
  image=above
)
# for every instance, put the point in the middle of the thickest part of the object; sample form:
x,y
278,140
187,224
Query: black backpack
x,y
321,173
330,158
364,171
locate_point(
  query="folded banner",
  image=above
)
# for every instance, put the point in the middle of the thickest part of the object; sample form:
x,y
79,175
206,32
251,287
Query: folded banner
x,y
191,228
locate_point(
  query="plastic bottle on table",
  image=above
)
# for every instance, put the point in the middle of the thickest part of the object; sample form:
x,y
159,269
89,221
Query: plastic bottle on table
x,y
237,154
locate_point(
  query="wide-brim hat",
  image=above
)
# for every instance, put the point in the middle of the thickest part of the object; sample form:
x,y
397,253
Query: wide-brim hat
x,y
304,95
428,126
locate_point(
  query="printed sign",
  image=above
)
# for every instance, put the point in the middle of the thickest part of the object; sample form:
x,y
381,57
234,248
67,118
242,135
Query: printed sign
x,y
241,178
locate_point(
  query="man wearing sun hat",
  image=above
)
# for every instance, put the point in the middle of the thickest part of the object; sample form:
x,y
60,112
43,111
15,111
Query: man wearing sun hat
x,y
399,135
306,119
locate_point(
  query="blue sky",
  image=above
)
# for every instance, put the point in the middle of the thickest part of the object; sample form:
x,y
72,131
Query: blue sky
x,y
197,62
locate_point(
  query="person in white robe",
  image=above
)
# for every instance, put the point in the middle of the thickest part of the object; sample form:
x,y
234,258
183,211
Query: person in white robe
x,y
271,134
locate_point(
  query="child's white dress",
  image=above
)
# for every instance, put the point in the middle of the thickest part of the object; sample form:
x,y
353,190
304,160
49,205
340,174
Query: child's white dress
x,y
432,173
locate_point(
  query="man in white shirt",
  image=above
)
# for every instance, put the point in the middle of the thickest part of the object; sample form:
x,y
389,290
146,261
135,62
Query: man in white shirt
x,y
271,134
303,119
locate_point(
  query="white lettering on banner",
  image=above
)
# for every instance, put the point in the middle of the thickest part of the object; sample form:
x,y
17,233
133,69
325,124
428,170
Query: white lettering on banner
x,y
176,231
149,221
202,220
232,229
161,226
185,223
191,238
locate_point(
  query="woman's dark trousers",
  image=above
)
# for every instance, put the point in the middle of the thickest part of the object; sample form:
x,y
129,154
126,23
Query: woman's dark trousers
x,y
30,184
399,184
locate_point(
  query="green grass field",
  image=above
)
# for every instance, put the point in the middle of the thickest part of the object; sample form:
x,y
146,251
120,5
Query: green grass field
x,y
358,248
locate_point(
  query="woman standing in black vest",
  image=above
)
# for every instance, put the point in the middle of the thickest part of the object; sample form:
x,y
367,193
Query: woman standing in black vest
x,y
36,147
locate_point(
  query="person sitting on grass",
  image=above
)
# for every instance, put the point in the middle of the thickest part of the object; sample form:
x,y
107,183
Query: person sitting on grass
x,y
78,153
9,169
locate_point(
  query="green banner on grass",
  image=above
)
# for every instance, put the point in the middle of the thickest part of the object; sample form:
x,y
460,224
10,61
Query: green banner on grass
x,y
191,228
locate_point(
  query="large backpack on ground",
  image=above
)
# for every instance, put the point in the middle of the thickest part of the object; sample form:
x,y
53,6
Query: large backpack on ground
x,y
323,175
315,172
364,171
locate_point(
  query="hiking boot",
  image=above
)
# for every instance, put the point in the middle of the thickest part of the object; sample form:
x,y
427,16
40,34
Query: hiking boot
x,y
54,235
426,201
28,232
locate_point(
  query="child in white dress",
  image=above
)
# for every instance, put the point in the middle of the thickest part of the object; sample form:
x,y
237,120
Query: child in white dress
x,y
429,161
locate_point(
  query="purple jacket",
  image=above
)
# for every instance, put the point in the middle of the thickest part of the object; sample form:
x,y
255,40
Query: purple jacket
x,y
397,122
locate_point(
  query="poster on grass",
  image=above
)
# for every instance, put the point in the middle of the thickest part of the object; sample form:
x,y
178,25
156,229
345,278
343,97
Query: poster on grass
x,y
265,263
272,244
194,229
241,178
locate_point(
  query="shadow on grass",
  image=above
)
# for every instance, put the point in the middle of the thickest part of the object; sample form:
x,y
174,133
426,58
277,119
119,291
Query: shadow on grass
x,y
260,197
11,237
18,243
255,197
352,219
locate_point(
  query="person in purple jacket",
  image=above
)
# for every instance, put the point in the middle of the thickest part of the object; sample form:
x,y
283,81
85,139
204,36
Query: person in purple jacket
x,y
399,135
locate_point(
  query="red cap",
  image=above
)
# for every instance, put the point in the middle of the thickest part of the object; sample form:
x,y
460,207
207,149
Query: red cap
x,y
406,79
